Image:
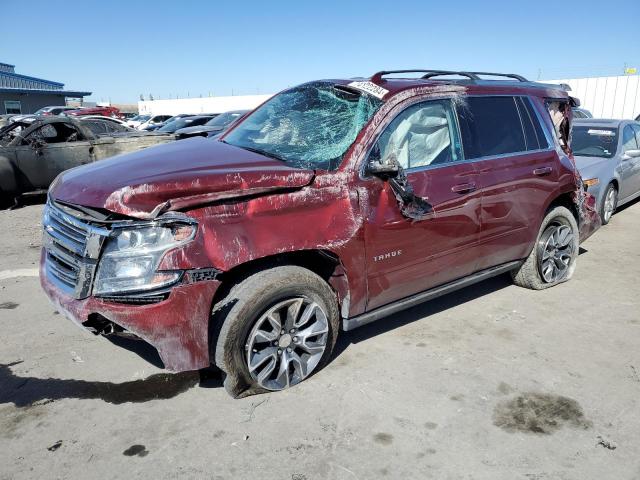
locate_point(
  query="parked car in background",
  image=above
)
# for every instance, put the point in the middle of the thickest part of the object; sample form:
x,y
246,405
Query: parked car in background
x,y
334,204
104,111
154,126
4,119
55,110
581,113
128,115
179,123
146,121
103,125
33,153
607,153
214,126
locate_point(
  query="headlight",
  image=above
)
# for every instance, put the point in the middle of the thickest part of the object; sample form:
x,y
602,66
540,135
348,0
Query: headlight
x,y
132,255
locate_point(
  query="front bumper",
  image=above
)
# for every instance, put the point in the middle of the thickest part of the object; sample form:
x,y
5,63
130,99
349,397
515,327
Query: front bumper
x,y
177,327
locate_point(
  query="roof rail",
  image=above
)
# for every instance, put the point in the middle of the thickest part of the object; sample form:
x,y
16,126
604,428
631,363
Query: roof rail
x,y
474,76
520,78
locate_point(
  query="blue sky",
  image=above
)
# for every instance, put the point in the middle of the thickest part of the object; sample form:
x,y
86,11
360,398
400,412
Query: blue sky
x,y
120,49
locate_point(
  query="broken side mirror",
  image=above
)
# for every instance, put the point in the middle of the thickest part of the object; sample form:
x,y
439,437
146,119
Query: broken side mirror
x,y
383,169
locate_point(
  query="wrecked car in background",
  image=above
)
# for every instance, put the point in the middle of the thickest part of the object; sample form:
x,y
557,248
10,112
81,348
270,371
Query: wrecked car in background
x,y
35,150
414,187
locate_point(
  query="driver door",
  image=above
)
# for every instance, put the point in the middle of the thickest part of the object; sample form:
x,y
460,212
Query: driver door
x,y
49,150
407,255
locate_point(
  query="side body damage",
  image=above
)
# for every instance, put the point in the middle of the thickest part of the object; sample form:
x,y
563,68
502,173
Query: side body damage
x,y
382,240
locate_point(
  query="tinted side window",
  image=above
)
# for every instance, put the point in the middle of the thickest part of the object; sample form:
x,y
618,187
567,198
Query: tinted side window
x,y
629,139
542,138
496,124
423,134
530,136
95,126
637,130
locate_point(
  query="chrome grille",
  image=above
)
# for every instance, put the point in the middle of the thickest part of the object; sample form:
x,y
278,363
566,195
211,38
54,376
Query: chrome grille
x,y
72,248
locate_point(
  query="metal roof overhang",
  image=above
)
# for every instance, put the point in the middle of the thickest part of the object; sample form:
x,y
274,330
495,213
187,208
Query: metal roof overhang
x,y
29,91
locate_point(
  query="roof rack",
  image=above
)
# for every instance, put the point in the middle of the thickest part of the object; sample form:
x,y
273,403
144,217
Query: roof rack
x,y
428,74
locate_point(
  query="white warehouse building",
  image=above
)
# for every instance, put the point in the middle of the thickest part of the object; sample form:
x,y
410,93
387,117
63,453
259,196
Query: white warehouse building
x,y
604,97
607,97
201,105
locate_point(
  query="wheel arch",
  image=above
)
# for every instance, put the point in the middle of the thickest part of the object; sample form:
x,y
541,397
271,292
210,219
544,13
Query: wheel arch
x,y
564,200
326,264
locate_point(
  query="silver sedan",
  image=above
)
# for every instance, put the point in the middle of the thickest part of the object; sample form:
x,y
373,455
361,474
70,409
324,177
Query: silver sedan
x,y
607,154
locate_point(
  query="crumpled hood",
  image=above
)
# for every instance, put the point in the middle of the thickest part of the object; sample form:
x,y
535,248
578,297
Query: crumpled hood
x,y
174,176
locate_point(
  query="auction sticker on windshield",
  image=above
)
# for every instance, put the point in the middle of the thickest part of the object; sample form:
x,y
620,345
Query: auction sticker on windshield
x,y
370,88
604,133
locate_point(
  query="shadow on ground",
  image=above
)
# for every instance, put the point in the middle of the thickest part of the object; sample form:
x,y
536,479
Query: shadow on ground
x,y
24,391
426,309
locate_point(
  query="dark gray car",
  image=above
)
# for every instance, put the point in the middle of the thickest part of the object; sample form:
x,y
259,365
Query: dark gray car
x,y
33,153
607,154
213,127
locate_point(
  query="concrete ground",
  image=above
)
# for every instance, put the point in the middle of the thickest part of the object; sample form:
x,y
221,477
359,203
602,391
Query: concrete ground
x,y
491,382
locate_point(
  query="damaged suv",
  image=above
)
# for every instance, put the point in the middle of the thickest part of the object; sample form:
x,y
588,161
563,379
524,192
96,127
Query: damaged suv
x,y
334,204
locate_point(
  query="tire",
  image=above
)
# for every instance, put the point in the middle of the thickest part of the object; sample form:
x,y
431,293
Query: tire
x,y
609,203
5,201
247,319
558,236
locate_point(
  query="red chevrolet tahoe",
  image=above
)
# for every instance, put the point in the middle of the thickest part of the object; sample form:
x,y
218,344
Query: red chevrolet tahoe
x,y
334,204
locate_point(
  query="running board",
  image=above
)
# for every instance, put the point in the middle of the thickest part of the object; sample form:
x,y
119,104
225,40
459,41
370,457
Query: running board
x,y
386,310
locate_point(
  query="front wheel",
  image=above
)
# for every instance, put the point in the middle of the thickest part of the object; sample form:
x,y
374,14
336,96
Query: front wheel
x,y
553,258
609,204
278,327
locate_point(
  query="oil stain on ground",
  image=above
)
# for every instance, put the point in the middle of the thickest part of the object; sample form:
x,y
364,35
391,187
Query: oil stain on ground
x,y
25,391
136,451
539,413
9,305
383,438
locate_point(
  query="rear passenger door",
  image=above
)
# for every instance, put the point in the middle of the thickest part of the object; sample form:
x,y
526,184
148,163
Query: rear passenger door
x,y
516,173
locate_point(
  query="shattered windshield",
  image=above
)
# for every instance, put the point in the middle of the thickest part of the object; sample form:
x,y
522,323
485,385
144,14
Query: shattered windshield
x,y
594,141
311,126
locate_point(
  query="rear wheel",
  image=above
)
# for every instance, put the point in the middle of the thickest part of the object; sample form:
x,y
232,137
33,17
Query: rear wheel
x,y
278,327
553,258
609,203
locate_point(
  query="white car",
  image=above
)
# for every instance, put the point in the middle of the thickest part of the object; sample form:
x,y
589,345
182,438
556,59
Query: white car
x,y
141,121
108,119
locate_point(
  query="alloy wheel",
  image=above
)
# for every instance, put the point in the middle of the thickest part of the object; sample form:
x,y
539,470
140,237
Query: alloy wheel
x,y
286,343
555,252
610,202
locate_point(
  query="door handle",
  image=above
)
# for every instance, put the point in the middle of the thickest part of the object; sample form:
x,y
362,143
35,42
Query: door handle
x,y
463,188
542,171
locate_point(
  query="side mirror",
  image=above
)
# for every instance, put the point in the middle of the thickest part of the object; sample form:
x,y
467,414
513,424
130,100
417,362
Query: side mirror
x,y
385,170
631,154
